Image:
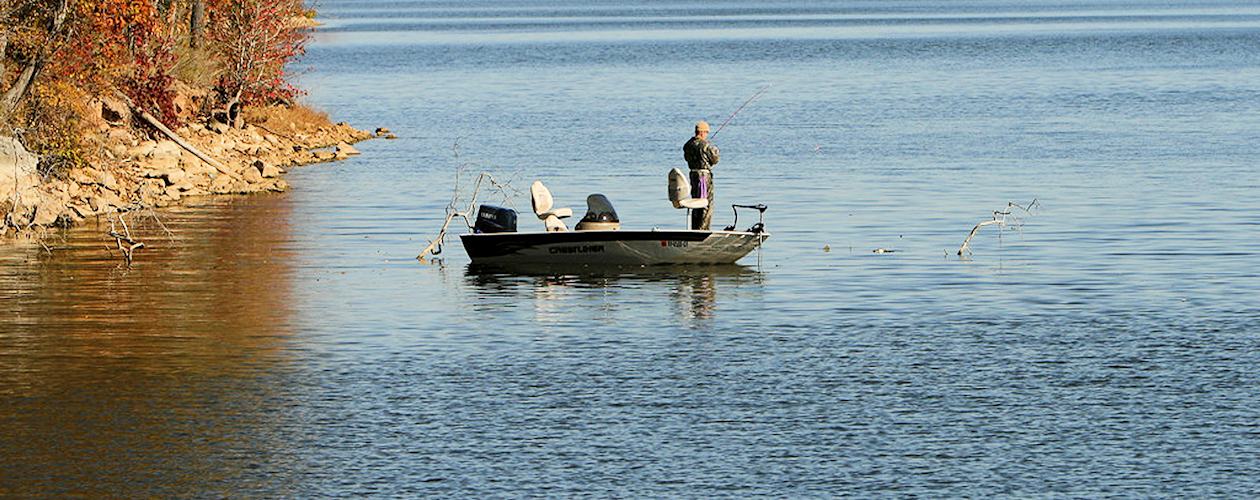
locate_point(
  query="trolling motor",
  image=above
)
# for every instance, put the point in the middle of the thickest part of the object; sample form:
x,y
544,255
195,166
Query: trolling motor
x,y
759,227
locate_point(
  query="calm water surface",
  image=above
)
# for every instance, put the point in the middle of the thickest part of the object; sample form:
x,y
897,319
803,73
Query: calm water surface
x,y
290,345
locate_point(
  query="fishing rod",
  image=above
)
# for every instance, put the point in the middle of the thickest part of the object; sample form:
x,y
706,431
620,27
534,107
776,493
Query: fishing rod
x,y
754,97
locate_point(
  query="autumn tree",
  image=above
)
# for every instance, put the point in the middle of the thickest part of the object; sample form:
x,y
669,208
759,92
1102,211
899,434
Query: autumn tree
x,y
31,32
128,47
254,40
56,56
65,53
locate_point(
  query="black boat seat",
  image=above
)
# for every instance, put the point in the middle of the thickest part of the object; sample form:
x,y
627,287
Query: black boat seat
x,y
600,215
680,191
540,196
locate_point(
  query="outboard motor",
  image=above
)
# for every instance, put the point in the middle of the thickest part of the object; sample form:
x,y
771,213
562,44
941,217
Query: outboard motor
x,y
600,215
492,219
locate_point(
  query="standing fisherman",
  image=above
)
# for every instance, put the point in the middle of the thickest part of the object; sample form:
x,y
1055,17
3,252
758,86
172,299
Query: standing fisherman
x,y
701,156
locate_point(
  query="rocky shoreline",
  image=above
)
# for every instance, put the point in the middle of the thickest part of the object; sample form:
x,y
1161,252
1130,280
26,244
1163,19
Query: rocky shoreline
x,y
135,172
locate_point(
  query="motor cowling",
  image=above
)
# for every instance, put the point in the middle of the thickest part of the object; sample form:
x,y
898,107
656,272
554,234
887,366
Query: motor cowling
x,y
492,219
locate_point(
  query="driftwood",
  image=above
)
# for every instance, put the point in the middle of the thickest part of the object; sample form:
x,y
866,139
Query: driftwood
x,y
453,207
176,138
160,224
435,246
966,245
1001,218
131,246
273,132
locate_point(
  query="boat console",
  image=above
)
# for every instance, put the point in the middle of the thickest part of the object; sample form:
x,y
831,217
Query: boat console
x,y
600,215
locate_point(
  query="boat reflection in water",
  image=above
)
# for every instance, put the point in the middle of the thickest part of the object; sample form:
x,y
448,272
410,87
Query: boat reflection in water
x,y
560,293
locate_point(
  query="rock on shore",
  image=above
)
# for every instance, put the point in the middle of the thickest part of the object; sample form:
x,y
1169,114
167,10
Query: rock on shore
x,y
135,173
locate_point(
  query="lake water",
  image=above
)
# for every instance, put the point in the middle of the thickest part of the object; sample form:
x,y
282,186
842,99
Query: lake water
x,y
291,345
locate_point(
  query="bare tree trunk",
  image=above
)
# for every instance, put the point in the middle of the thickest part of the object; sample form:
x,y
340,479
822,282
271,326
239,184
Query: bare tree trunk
x,y
198,26
6,8
232,112
30,72
4,46
14,95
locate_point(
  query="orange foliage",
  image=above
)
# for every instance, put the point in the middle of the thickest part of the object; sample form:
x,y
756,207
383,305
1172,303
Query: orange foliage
x,y
103,44
130,46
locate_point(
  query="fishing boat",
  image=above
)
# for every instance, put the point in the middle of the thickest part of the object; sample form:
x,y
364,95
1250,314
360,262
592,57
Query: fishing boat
x,y
598,239
612,247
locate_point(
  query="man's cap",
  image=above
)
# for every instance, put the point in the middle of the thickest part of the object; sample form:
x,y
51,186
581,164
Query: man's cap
x,y
702,125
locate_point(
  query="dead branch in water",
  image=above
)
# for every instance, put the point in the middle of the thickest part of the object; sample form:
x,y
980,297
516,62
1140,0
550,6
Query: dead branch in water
x,y
453,211
131,246
453,207
1004,219
170,235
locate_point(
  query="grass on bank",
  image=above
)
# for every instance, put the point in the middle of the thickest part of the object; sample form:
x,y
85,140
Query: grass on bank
x,y
286,120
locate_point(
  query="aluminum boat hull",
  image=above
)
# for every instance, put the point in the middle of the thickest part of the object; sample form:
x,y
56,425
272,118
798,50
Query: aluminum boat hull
x,y
651,247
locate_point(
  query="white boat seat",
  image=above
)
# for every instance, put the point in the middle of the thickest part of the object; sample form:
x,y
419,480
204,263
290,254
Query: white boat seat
x,y
540,197
680,191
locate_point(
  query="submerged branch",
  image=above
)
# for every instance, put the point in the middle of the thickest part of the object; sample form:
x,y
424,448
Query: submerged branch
x,y
1001,218
453,207
453,210
132,245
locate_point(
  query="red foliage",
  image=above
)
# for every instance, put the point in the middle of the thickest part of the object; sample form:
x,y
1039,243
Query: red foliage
x,y
255,39
150,85
128,46
123,44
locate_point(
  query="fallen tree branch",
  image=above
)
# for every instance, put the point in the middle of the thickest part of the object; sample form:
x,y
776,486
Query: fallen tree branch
x,y
435,246
966,244
453,211
148,118
119,238
157,219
